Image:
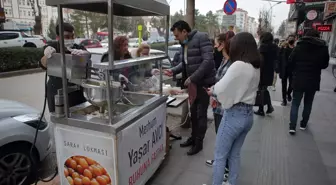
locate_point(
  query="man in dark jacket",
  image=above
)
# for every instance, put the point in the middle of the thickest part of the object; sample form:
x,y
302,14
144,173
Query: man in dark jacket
x,y
307,60
285,70
198,69
55,83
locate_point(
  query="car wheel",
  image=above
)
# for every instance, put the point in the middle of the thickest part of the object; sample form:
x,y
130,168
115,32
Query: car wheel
x,y
16,165
29,45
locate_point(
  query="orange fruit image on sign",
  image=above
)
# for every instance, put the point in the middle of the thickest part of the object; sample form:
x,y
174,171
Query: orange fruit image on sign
x,y
80,170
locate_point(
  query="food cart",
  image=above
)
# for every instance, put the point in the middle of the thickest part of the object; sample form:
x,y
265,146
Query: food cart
x,y
116,137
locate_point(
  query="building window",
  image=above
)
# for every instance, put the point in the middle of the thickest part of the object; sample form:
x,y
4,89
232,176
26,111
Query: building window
x,y
29,13
23,2
24,12
20,13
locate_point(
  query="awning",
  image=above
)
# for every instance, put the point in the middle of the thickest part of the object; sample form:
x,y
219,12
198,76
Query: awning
x,y
330,16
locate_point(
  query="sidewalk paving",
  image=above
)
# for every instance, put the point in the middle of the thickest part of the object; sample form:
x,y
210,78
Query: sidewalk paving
x,y
270,156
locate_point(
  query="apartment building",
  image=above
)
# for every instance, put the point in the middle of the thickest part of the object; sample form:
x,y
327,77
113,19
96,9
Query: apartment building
x,y
240,20
21,12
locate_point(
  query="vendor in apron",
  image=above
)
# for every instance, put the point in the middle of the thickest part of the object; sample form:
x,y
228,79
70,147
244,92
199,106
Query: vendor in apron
x,y
55,83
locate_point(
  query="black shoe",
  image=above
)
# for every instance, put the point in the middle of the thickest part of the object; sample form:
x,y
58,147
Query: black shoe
x,y
197,147
284,103
292,130
270,110
189,142
289,98
335,89
259,113
303,126
209,162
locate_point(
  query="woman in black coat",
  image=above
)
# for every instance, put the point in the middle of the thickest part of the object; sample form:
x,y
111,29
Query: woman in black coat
x,y
269,53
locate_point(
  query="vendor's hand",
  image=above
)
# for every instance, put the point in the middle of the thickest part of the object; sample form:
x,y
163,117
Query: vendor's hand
x,y
123,78
78,52
187,82
209,91
168,72
155,71
48,51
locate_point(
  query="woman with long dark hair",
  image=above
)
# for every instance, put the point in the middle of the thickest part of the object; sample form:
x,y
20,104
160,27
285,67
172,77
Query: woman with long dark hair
x,y
269,54
222,46
236,92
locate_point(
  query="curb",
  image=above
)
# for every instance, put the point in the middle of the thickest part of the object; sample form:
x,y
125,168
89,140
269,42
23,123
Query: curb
x,y
20,72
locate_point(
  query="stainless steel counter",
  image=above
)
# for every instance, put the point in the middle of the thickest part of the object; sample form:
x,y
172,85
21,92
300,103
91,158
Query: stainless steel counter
x,y
125,114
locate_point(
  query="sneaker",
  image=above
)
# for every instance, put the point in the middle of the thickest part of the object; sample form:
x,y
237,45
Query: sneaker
x,y
303,126
292,131
270,110
209,162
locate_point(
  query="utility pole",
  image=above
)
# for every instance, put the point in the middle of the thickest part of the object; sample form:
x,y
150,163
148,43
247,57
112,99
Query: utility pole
x,y
190,15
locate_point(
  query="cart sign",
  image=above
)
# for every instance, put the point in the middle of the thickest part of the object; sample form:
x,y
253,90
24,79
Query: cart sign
x,y
324,28
141,147
230,6
311,15
290,1
79,150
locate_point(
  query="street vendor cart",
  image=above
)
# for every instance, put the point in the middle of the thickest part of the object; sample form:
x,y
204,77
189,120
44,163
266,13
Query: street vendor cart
x,y
116,137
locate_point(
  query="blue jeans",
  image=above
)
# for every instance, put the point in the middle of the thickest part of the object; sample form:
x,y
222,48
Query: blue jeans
x,y
308,104
236,123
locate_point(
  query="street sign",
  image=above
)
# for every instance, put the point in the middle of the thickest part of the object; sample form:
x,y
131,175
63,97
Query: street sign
x,y
324,28
139,27
230,6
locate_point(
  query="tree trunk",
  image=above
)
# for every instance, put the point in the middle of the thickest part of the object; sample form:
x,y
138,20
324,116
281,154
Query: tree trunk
x,y
87,26
190,15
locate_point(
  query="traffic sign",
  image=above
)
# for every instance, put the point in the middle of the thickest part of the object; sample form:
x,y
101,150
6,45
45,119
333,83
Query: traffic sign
x,y
230,6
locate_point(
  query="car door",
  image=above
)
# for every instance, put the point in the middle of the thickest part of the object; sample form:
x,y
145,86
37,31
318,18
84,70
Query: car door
x,y
10,39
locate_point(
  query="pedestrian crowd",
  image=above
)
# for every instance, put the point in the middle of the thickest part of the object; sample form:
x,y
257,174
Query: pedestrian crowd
x,y
233,73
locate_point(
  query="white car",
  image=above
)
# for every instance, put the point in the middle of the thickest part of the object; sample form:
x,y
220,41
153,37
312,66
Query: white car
x,y
18,124
134,42
98,53
19,39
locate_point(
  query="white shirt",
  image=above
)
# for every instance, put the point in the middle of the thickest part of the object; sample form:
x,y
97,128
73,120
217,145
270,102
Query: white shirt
x,y
239,85
185,54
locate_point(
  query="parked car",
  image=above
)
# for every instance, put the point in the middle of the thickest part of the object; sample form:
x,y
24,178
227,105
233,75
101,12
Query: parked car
x,y
104,43
18,124
45,39
98,53
134,42
88,43
19,39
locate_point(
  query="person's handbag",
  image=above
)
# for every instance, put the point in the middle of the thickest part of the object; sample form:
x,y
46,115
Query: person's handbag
x,y
260,98
263,97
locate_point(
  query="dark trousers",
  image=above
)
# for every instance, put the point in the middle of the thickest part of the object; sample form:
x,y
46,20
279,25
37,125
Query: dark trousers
x,y
199,117
267,99
218,119
307,106
286,87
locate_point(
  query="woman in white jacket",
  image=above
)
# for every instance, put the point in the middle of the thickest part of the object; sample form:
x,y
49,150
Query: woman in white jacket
x,y
236,92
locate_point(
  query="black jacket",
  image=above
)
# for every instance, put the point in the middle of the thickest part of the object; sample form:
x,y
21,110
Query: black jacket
x,y
283,67
308,58
269,53
200,67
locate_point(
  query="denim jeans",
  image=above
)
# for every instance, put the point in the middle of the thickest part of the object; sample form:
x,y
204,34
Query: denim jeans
x,y
307,106
236,123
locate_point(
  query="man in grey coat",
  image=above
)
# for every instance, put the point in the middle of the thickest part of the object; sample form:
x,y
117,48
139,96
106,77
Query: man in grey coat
x,y
198,69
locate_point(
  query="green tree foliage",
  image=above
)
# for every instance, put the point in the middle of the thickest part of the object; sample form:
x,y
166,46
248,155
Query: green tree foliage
x,y
51,29
282,29
159,23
